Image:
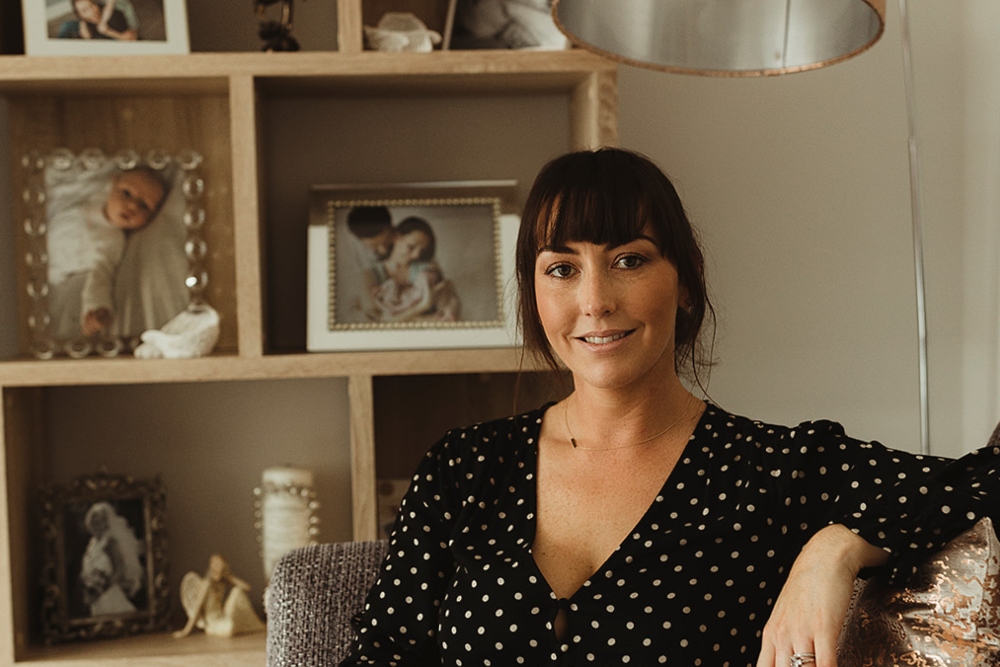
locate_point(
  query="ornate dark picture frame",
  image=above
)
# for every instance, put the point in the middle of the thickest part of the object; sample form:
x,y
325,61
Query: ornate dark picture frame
x,y
104,558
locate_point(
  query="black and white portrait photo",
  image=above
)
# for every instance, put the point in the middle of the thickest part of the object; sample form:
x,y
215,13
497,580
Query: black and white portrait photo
x,y
103,558
106,556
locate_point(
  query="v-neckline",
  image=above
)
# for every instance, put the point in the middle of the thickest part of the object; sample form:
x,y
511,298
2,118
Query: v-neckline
x,y
684,459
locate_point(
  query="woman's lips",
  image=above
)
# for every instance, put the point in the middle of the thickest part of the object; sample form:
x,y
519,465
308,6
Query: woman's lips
x,y
604,338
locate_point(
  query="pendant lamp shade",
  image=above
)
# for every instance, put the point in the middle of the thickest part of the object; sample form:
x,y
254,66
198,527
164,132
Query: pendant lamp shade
x,y
723,37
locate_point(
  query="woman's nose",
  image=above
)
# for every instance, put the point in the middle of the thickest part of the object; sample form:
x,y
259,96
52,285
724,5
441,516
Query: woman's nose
x,y
598,295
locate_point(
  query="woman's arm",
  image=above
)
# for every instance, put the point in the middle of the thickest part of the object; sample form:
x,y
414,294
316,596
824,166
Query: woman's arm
x,y
811,607
109,9
104,26
399,623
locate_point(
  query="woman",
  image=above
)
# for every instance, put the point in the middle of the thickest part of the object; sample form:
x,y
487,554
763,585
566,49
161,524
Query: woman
x,y
111,573
415,289
98,21
632,522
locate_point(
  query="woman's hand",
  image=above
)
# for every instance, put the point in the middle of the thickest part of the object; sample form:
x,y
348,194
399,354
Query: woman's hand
x,y
811,607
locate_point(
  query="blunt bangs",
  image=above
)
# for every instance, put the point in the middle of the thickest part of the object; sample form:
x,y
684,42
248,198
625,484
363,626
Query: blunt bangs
x,y
606,212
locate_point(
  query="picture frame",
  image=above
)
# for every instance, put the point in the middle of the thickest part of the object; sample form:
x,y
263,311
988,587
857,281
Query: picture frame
x,y
93,282
503,24
87,527
440,277
133,27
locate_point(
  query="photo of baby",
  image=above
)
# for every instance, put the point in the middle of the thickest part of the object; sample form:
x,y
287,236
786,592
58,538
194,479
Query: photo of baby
x,y
115,247
90,240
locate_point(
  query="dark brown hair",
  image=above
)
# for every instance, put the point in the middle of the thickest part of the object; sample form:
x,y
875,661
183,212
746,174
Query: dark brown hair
x,y
608,197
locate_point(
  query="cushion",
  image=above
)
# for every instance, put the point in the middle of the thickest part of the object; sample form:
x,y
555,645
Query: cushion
x,y
313,594
948,614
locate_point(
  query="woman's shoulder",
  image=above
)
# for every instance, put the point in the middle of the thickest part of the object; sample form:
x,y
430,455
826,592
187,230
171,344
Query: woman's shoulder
x,y
518,428
472,455
720,422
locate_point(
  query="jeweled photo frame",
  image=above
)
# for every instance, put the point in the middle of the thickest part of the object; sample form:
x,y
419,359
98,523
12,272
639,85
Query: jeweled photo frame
x,y
113,247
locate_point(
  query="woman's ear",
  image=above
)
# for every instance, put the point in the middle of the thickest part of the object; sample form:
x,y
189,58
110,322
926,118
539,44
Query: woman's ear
x,y
684,299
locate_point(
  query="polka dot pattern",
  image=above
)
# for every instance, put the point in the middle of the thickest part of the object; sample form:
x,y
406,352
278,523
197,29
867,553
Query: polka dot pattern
x,y
694,582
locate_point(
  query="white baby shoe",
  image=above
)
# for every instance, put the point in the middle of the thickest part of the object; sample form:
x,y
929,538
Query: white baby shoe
x,y
192,333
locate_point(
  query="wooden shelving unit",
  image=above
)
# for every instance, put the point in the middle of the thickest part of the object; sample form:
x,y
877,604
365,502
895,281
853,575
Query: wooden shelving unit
x,y
219,102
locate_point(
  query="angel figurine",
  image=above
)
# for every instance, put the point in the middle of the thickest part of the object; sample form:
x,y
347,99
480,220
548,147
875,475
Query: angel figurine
x,y
210,608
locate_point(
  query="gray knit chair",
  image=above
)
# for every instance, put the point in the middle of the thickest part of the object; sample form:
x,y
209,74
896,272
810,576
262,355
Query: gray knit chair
x,y
314,593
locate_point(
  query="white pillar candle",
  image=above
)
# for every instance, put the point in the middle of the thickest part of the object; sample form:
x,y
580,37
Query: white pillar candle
x,y
286,502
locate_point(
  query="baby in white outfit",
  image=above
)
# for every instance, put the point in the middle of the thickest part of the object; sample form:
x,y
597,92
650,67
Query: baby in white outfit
x,y
91,238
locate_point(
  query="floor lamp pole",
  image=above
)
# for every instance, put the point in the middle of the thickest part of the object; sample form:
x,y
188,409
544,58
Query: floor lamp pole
x,y
918,233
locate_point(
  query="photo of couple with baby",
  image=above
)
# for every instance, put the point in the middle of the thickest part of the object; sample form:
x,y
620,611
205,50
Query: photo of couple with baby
x,y
415,265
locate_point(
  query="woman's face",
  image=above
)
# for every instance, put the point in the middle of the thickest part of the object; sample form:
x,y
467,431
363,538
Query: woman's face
x,y
98,523
409,247
609,313
87,10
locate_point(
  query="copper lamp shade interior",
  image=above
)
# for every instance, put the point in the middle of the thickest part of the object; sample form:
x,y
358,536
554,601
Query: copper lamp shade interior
x,y
723,37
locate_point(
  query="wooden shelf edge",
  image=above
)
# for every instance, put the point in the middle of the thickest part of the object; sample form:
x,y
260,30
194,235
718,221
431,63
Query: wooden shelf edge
x,y
127,370
31,73
156,650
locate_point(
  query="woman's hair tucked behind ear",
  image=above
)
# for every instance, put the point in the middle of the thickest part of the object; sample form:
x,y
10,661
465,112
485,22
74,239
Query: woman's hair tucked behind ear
x,y
610,197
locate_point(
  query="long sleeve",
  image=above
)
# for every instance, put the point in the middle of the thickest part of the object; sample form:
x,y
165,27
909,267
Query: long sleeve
x,y
108,246
907,504
399,623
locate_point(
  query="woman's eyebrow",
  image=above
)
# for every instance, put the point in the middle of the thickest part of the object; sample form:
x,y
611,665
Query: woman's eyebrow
x,y
568,250
561,249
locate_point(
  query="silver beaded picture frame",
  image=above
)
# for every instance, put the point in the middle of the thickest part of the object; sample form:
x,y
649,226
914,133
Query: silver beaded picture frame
x,y
145,276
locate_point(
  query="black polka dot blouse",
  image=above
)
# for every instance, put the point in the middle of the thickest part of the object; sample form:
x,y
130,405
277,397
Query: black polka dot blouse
x,y
694,582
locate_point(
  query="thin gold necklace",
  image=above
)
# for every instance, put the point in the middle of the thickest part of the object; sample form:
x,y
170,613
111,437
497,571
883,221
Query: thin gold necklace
x,y
573,442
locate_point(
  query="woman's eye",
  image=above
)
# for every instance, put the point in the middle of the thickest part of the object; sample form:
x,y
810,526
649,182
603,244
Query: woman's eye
x,y
630,261
559,271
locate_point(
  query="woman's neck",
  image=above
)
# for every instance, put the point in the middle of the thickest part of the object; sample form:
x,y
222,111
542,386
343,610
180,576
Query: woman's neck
x,y
605,419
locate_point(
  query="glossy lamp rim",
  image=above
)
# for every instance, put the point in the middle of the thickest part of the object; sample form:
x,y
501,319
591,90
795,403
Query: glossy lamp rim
x,y
562,19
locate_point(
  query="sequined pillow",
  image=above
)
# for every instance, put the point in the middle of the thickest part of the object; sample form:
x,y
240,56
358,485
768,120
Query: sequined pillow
x,y
947,616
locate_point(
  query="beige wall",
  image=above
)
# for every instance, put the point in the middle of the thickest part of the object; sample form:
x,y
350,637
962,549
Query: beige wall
x,y
800,185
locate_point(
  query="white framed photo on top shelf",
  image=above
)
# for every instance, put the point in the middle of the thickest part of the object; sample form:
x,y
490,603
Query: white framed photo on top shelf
x,y
502,24
411,266
104,27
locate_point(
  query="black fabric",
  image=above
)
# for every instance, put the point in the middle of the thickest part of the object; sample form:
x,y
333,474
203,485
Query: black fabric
x,y
692,584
